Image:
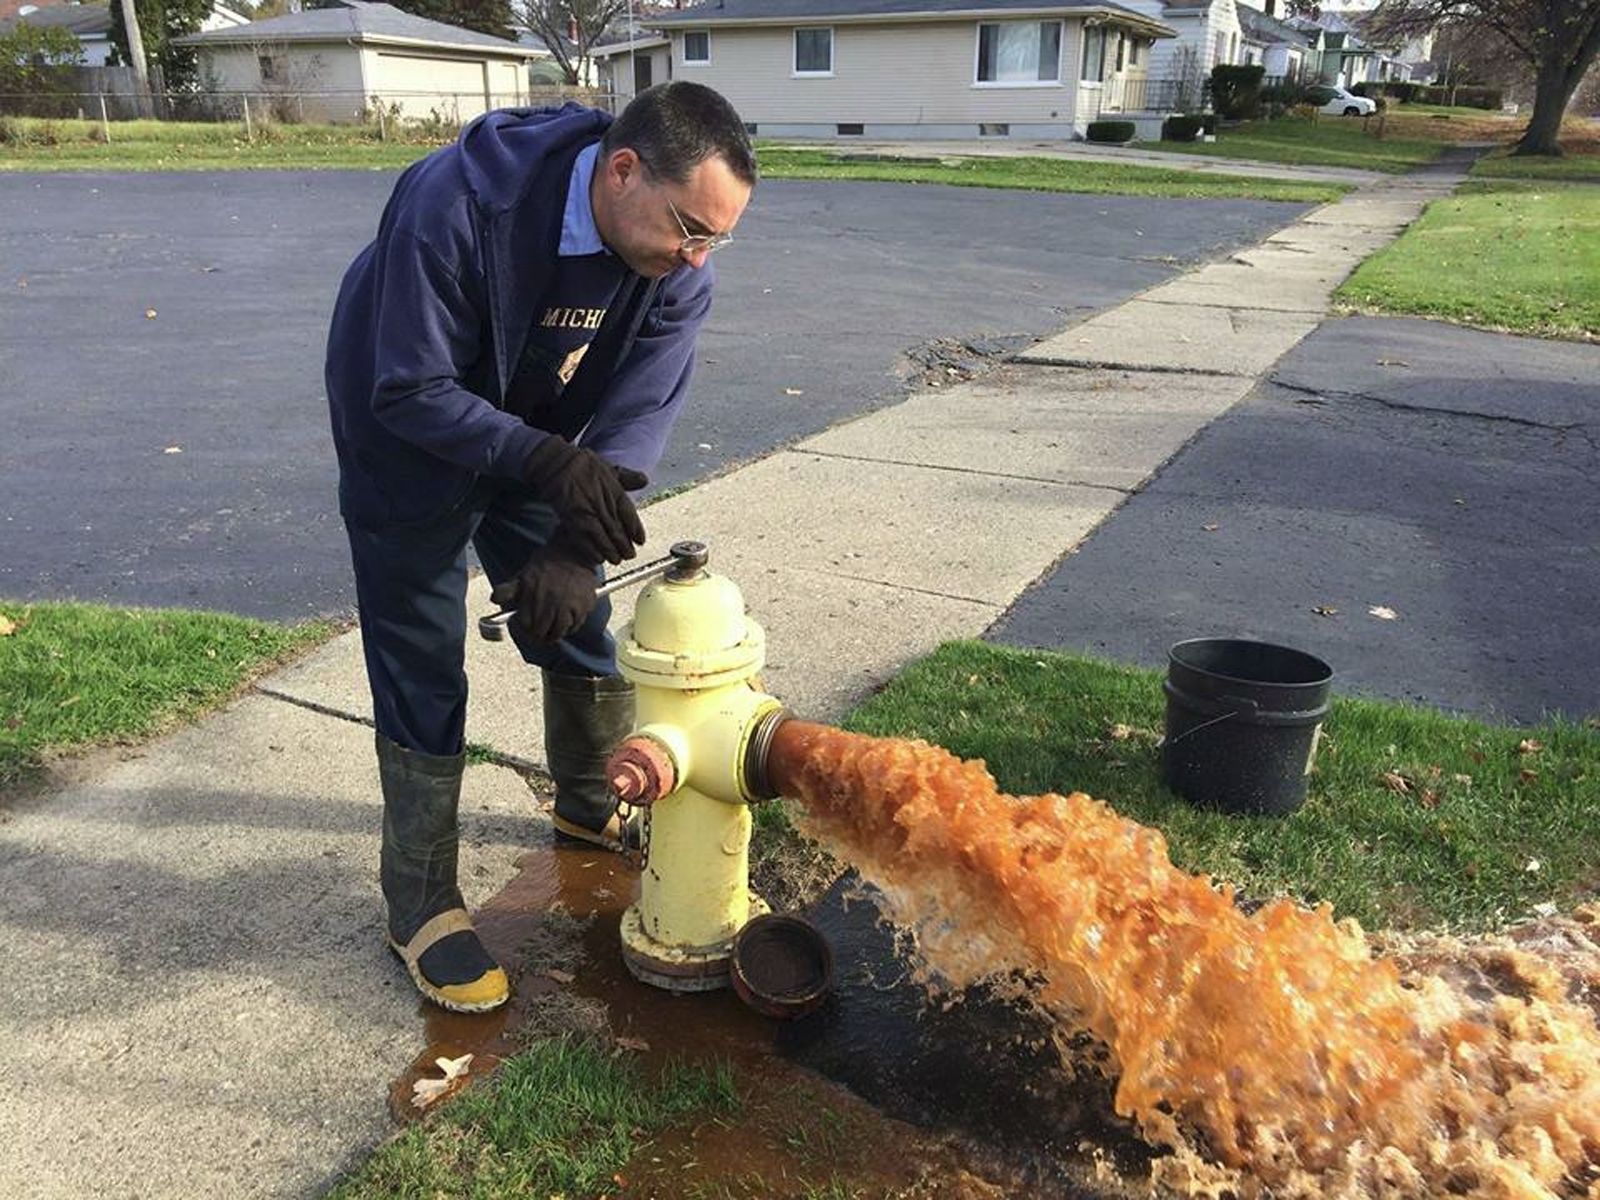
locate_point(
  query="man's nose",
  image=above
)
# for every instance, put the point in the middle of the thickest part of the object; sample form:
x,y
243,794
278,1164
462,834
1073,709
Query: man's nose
x,y
696,258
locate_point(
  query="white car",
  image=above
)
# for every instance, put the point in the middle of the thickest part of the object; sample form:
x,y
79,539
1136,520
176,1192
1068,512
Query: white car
x,y
1337,102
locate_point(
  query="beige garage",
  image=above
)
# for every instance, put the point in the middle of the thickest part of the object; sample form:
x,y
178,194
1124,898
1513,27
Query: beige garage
x,y
335,64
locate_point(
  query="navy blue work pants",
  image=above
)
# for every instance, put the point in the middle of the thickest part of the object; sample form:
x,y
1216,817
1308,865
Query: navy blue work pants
x,y
411,587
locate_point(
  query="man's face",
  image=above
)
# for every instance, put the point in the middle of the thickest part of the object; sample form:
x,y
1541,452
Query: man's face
x,y
638,213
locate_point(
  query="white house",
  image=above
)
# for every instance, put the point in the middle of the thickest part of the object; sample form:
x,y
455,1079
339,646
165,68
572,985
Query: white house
x,y
1279,47
630,63
330,64
921,68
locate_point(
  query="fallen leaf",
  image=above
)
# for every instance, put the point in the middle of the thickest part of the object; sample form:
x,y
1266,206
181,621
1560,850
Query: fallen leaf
x,y
1382,612
1121,733
149,314
1395,782
425,1091
1463,780
1325,610
7,626
1210,528
1393,362
1529,746
1532,866
638,1045
793,392
173,450
560,976
210,652
1527,776
1428,798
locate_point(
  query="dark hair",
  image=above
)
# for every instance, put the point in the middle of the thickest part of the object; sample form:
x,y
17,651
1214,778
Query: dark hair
x,y
674,127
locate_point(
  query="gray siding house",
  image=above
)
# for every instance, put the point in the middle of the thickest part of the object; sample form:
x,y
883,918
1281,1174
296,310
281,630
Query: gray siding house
x,y
920,68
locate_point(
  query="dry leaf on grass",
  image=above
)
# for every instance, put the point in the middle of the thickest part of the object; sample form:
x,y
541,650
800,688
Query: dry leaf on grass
x,y
7,626
1395,782
426,1091
1529,746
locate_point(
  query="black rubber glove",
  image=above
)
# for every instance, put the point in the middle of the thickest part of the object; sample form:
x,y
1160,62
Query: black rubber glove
x,y
590,496
553,594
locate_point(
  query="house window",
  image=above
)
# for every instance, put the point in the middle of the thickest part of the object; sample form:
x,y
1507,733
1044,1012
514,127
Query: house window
x,y
1135,52
813,52
272,69
1122,50
697,46
1094,54
1019,53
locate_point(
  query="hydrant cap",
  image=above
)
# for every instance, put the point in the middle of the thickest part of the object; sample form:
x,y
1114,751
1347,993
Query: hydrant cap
x,y
692,631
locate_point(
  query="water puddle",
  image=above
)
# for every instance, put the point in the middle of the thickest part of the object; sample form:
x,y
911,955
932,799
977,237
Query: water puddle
x,y
555,929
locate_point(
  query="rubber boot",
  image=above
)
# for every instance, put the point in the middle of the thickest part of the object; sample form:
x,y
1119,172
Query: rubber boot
x,y
428,924
584,719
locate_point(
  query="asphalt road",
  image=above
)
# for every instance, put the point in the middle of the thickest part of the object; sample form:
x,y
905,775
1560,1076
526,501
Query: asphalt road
x,y
183,458
1442,473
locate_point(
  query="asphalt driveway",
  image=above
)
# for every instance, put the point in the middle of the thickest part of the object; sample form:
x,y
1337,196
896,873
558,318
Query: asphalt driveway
x,y
182,457
1443,474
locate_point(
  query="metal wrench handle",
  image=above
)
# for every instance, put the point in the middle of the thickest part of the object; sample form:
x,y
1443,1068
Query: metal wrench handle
x,y
681,561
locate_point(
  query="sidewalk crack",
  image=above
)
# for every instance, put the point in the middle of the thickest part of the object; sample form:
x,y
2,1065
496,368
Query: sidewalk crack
x,y
488,753
901,587
900,462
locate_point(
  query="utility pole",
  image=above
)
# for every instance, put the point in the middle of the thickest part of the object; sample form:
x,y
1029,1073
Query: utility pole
x,y
141,70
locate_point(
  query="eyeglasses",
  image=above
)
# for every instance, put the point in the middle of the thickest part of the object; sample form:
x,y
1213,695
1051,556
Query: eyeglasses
x,y
694,243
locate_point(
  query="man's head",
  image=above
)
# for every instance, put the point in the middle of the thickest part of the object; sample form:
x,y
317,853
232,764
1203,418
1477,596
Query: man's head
x,y
675,172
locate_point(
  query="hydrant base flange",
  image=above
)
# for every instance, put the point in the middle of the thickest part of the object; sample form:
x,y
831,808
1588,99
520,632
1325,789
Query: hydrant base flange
x,y
678,968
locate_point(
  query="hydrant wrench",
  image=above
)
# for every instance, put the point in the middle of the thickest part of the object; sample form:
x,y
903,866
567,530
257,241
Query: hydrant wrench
x,y
682,560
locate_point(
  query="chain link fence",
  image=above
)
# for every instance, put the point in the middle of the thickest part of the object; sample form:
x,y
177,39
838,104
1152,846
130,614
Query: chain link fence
x,y
390,111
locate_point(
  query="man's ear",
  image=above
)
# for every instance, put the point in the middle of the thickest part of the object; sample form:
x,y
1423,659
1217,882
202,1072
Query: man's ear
x,y
621,167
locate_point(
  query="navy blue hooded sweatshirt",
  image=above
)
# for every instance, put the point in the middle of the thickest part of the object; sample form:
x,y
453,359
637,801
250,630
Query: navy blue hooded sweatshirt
x,y
432,318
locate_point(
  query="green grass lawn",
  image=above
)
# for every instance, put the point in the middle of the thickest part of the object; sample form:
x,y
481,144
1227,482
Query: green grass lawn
x,y
1034,174
79,675
35,145
1483,832
1572,168
1326,142
1499,254
31,144
560,1119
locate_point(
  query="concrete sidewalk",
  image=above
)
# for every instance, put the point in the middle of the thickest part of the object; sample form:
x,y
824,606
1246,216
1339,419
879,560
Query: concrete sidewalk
x,y
194,995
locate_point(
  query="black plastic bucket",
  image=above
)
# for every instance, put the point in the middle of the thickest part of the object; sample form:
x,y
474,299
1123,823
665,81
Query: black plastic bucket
x,y
1243,720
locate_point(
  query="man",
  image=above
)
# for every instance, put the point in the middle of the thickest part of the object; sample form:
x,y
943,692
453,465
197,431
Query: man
x,y
504,364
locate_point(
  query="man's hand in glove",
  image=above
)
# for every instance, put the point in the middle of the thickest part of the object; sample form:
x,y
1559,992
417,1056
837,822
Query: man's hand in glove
x,y
553,594
590,496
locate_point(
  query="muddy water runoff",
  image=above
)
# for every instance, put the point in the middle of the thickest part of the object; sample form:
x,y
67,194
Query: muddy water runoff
x,y
1273,1053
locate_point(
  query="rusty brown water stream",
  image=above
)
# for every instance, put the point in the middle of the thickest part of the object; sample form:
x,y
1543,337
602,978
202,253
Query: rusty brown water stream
x,y
1273,1053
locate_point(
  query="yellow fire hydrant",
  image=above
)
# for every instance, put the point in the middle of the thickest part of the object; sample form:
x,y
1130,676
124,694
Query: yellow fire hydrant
x,y
697,761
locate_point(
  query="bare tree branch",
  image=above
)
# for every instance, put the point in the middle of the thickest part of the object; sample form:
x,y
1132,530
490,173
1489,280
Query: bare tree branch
x,y
570,28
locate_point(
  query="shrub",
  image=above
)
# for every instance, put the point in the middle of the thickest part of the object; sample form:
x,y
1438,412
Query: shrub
x,y
1467,96
1181,129
1236,90
1110,131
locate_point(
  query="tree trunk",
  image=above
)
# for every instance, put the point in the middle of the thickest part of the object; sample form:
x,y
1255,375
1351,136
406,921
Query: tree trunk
x,y
1559,77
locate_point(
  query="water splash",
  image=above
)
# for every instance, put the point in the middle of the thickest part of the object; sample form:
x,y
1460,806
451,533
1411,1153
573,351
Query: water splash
x,y
1271,1051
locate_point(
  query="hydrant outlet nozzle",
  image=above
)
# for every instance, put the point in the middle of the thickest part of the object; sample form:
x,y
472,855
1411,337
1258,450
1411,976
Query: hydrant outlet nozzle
x,y
641,771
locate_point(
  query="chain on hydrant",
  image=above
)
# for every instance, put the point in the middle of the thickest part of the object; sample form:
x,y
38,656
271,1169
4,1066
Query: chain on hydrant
x,y
694,763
